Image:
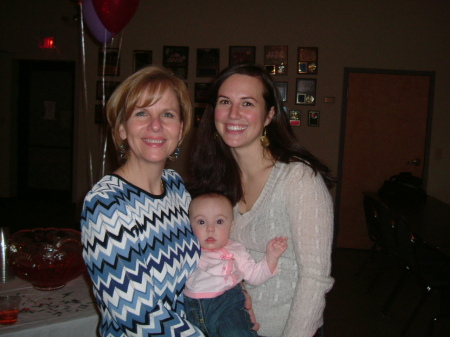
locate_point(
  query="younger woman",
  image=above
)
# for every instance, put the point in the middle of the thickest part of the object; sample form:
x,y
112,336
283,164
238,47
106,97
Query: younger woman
x,y
246,148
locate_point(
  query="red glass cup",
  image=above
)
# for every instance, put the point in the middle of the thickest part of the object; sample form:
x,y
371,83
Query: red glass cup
x,y
9,309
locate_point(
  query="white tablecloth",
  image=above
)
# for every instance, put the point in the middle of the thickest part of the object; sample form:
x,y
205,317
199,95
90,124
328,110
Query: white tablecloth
x,y
66,312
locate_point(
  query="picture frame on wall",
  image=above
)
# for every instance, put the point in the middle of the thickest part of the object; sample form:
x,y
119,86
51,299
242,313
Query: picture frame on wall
x,y
313,118
308,58
295,117
282,88
201,92
276,59
141,59
208,62
109,87
108,62
177,59
306,91
242,55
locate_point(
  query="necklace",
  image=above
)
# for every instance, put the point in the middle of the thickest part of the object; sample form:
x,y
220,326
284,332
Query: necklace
x,y
162,186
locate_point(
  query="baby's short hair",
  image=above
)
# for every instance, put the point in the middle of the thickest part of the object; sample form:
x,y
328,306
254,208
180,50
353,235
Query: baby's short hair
x,y
211,194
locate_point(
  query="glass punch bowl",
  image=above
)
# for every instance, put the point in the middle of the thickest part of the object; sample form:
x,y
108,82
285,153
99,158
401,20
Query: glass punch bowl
x,y
48,258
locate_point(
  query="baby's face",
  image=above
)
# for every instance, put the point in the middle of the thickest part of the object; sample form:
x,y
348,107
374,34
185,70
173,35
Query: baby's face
x,y
211,220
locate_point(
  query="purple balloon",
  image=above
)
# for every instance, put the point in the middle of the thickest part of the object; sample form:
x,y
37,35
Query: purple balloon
x,y
94,24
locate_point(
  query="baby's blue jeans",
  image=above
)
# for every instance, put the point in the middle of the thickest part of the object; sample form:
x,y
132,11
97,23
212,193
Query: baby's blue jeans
x,y
222,316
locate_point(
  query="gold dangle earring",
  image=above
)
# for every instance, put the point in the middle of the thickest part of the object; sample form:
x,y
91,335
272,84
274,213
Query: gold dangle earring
x,y
265,142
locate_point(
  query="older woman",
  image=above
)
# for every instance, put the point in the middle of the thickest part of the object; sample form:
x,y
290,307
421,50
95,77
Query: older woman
x,y
246,149
138,245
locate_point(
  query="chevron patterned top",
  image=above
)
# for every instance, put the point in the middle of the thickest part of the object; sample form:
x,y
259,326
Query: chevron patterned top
x,y
139,250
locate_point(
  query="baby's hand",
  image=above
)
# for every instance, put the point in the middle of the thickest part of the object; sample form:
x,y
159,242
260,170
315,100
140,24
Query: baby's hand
x,y
277,246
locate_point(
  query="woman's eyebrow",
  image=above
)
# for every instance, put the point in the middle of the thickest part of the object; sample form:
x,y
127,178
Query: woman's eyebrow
x,y
240,98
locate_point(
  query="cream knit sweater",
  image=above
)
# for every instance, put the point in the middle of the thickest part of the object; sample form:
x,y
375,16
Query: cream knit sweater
x,y
294,203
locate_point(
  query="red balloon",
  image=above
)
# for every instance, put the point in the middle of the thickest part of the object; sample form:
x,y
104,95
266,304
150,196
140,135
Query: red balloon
x,y
115,14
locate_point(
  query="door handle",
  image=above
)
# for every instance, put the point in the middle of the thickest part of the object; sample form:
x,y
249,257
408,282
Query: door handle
x,y
415,162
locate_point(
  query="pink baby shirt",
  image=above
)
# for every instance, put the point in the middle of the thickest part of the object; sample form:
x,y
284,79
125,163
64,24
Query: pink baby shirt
x,y
221,269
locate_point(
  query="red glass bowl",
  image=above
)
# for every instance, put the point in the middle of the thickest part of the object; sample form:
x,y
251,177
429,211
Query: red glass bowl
x,y
48,258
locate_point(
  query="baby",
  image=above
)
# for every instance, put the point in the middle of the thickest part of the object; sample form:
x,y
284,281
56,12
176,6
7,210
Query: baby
x,y
214,300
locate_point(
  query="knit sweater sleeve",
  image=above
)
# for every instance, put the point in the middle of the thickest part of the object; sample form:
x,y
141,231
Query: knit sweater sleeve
x,y
310,214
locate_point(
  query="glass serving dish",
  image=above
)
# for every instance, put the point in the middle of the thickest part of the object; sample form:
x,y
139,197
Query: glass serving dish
x,y
48,258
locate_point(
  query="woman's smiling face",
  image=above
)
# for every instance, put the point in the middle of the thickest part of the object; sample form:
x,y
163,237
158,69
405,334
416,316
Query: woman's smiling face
x,y
240,112
153,132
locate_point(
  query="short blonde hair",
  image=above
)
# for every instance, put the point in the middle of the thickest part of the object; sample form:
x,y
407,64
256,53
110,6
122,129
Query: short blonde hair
x,y
150,82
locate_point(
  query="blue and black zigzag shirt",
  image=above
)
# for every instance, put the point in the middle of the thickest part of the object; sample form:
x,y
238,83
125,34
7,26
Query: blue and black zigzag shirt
x,y
139,250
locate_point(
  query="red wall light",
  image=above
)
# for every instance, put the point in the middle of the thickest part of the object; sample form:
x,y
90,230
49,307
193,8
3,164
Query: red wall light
x,y
47,42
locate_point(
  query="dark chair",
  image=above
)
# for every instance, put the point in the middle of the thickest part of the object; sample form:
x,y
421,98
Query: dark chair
x,y
430,268
388,229
373,230
379,227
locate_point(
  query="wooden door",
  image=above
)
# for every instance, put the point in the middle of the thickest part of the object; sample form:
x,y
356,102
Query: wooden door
x,y
385,125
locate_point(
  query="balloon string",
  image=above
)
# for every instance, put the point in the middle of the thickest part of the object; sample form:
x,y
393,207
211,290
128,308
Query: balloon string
x,y
104,127
84,95
105,147
120,50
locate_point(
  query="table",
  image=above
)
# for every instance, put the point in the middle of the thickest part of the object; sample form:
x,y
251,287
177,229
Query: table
x,y
66,312
429,220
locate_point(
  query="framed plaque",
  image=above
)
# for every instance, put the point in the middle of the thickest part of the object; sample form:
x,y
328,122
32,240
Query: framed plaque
x,y
108,62
276,59
242,54
295,117
201,93
313,118
306,91
208,62
141,59
307,60
177,59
